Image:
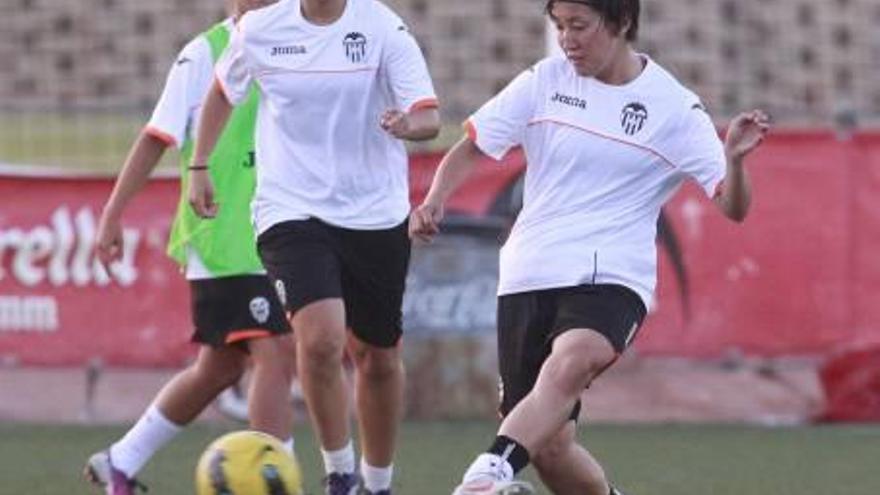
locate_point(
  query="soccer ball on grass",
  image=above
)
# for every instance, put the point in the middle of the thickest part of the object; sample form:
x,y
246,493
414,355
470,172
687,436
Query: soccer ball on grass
x,y
247,463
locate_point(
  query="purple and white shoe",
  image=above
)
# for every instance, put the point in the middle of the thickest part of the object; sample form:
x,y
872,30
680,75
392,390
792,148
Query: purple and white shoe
x,y
99,471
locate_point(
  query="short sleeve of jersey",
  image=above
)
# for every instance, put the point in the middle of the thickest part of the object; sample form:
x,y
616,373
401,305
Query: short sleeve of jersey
x,y
185,87
233,70
700,152
407,71
501,123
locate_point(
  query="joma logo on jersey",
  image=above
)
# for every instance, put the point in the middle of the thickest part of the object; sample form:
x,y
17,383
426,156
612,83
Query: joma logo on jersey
x,y
572,101
355,46
288,50
633,118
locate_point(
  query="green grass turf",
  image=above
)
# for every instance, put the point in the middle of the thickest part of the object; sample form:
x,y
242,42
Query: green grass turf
x,y
644,460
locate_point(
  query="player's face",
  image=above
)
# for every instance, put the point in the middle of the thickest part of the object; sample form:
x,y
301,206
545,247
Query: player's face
x,y
587,41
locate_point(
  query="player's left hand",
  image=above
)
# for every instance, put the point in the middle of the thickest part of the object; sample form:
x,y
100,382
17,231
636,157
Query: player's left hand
x,y
201,194
746,132
424,222
396,123
108,240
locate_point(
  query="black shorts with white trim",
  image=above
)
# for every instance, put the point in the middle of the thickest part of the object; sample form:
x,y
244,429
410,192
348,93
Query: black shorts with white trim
x,y
528,322
310,260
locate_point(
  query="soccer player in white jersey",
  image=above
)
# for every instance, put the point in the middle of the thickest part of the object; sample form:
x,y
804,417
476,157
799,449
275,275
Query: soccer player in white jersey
x,y
608,137
342,83
236,312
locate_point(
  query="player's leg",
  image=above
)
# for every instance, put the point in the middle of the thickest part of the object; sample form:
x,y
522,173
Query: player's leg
x,y
379,384
578,356
176,405
566,468
320,346
247,313
375,264
587,328
301,257
269,406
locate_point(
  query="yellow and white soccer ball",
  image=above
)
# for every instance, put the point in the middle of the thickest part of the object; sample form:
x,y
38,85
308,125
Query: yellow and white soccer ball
x,y
247,463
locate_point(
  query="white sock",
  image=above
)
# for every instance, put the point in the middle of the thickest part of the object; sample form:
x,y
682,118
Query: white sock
x,y
376,478
489,466
290,446
339,461
152,431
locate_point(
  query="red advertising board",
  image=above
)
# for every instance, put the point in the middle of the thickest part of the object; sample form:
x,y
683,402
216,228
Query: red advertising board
x,y
58,306
799,277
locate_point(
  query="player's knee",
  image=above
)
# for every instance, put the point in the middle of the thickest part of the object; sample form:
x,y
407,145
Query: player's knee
x,y
322,350
573,372
219,377
377,364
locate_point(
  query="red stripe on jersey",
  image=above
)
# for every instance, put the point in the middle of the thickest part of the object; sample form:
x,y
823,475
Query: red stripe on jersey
x,y
316,71
166,138
652,151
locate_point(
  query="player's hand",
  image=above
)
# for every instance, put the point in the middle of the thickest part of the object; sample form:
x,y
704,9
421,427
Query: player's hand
x,y
108,241
201,194
746,132
396,123
424,222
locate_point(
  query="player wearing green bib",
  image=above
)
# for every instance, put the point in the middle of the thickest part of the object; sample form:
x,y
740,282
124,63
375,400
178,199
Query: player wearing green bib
x,y
236,312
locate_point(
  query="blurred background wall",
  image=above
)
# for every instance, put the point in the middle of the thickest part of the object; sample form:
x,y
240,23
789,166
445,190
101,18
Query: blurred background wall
x,y
809,62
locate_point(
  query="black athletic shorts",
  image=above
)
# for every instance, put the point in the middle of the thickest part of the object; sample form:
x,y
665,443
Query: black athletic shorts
x,y
232,310
310,260
529,321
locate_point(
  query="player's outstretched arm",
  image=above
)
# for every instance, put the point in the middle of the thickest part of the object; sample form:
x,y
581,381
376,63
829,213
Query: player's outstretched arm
x,y
745,134
417,125
142,159
455,167
215,113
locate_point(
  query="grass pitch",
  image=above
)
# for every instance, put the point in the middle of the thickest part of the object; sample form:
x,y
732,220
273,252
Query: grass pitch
x,y
643,460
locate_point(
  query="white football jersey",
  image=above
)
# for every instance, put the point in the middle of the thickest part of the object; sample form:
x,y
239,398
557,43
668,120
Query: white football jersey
x,y
601,162
175,116
320,150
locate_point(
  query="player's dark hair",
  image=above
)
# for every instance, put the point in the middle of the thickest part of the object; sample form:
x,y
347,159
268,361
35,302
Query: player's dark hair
x,y
614,12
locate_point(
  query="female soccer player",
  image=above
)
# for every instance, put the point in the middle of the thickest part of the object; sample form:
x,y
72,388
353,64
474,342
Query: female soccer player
x,y
235,309
609,136
342,83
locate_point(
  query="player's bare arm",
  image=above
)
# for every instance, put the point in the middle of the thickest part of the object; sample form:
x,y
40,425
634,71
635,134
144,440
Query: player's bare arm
x,y
142,159
456,166
417,125
215,113
745,134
